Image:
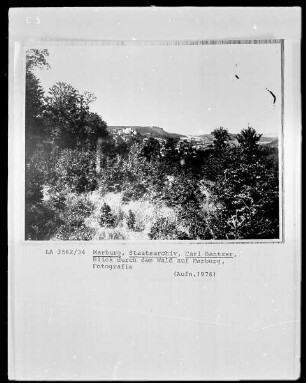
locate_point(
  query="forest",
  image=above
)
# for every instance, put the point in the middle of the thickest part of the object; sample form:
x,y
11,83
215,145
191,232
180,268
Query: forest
x,y
83,183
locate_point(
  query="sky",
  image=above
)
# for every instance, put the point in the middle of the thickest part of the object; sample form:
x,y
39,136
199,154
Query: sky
x,y
186,89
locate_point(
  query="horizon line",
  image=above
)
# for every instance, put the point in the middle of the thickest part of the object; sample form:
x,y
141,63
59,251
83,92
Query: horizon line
x,y
182,134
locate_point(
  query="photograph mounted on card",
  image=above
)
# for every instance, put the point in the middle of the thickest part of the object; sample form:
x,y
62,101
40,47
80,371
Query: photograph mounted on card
x,y
154,193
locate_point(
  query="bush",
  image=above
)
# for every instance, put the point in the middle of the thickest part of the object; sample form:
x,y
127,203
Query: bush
x,y
131,220
163,228
64,215
79,233
75,169
196,220
248,195
106,217
41,222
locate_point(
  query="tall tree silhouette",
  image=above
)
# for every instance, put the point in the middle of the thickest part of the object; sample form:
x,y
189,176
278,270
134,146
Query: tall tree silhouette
x,y
221,138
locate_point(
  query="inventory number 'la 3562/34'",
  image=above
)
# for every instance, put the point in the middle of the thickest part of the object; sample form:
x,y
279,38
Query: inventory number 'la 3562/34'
x,y
65,252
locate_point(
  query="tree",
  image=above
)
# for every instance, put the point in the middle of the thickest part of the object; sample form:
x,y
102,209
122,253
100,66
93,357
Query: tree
x,y
135,172
107,219
34,94
151,149
74,169
131,220
69,119
219,156
36,58
246,193
36,157
221,138
248,140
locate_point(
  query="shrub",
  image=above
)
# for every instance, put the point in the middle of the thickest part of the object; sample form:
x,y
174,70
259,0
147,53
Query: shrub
x,y
81,233
75,169
163,228
41,222
106,217
131,220
65,215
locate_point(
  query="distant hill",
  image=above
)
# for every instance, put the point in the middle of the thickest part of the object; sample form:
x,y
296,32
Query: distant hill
x,y
156,132
149,131
272,142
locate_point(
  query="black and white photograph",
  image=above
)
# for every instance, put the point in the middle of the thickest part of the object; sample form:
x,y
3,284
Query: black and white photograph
x,y
154,202
159,140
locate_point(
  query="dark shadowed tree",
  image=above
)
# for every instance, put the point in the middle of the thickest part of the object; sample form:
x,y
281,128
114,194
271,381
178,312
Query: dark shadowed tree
x,y
151,149
35,155
221,138
248,139
34,94
69,119
246,191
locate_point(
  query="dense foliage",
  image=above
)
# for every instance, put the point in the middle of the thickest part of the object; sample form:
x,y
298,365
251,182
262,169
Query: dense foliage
x,y
82,183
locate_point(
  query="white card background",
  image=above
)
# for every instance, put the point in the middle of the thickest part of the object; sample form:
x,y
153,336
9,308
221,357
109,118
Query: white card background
x,y
70,322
